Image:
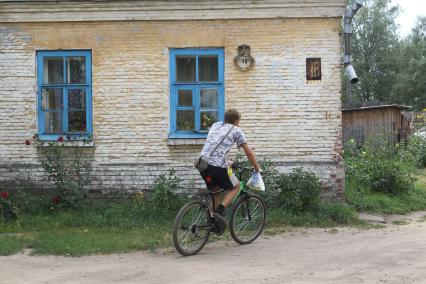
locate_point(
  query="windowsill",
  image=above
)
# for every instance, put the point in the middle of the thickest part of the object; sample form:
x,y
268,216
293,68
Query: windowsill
x,y
185,141
75,143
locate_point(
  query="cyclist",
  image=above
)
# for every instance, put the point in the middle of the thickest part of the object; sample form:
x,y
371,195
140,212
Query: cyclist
x,y
217,174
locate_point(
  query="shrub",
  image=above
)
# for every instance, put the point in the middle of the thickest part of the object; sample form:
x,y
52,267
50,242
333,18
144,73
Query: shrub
x,y
377,167
165,188
8,210
337,212
300,191
65,166
30,203
415,150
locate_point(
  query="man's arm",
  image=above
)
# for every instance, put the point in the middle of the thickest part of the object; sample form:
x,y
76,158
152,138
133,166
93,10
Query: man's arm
x,y
250,155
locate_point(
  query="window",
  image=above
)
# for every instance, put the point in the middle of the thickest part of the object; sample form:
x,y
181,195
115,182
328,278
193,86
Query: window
x,y
196,93
64,97
313,69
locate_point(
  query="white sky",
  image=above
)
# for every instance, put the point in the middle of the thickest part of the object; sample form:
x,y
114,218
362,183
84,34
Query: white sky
x,y
410,9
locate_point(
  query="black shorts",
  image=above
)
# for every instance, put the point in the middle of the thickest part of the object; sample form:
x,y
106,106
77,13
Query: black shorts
x,y
217,176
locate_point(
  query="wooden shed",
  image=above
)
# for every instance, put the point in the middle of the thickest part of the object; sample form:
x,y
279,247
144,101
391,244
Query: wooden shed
x,y
366,122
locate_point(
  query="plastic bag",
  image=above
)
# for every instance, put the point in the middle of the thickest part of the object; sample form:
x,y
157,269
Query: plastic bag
x,y
256,182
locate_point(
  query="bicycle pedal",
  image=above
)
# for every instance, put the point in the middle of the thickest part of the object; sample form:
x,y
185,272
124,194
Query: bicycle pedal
x,y
218,230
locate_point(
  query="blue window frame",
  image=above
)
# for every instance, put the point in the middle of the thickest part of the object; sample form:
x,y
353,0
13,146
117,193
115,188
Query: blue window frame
x,y
196,91
64,94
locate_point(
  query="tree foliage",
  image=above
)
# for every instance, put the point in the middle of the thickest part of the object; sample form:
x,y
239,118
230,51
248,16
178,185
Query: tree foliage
x,y
375,46
410,86
390,69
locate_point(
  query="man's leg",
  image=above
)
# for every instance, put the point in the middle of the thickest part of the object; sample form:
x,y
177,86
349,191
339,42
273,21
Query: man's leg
x,y
220,209
217,199
225,181
230,195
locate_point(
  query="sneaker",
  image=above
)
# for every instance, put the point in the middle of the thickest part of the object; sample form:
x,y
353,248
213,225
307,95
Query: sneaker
x,y
220,220
218,230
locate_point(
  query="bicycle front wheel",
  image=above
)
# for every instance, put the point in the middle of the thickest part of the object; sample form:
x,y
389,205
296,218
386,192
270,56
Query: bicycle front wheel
x,y
191,228
247,218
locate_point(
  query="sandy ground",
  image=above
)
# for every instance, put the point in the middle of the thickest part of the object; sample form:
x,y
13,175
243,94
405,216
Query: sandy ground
x,y
394,254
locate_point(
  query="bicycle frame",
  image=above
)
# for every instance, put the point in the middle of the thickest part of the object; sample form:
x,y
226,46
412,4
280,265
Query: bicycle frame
x,y
243,191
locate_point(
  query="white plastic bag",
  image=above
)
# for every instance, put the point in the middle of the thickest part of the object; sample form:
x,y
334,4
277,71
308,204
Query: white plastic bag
x,y
256,182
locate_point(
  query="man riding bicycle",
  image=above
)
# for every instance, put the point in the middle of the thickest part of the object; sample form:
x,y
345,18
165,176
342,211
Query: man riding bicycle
x,y
220,139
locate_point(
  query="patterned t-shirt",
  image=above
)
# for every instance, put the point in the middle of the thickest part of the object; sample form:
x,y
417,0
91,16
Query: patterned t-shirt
x,y
216,133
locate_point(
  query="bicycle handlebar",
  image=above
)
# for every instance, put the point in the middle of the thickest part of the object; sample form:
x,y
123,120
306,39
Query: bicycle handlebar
x,y
237,165
241,169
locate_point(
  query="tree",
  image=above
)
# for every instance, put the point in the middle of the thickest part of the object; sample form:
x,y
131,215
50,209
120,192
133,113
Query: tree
x,y
375,50
410,86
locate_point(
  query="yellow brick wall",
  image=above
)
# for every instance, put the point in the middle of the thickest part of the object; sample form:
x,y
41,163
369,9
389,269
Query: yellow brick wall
x,y
289,120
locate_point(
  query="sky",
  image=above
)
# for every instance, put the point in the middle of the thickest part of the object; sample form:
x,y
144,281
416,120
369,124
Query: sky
x,y
410,9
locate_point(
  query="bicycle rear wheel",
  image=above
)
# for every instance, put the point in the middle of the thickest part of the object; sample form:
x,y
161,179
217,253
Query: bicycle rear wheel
x,y
191,228
247,218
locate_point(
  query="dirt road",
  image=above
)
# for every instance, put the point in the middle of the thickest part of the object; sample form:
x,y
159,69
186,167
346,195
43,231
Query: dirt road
x,y
395,254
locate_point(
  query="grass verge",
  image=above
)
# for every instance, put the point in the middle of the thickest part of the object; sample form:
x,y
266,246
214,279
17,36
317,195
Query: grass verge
x,y
327,214
11,243
91,230
111,228
123,227
403,203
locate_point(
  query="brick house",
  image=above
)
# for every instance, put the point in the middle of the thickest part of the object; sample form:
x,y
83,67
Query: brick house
x,y
147,78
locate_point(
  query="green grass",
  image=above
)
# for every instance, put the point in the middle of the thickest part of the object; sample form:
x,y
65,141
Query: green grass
x,y
112,228
77,242
12,243
412,200
105,229
421,178
121,227
328,214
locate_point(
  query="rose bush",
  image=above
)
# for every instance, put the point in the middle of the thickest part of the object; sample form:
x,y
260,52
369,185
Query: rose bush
x,y
8,211
65,166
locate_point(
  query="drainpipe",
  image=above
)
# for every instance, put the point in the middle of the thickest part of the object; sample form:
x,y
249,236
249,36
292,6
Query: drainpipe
x,y
347,57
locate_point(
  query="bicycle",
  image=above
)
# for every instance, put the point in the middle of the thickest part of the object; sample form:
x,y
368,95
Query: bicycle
x,y
194,221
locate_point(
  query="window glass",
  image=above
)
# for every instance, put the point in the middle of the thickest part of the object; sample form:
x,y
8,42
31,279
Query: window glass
x,y
77,121
209,98
77,98
185,98
53,70
185,120
208,69
185,68
52,99
207,119
53,122
76,70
